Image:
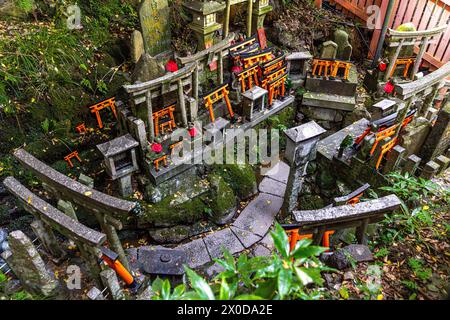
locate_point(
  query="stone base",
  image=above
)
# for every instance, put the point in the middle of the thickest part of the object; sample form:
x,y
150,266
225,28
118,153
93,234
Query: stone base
x,y
329,101
339,87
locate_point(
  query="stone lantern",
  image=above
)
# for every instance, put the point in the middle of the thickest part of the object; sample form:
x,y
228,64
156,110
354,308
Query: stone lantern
x,y
253,101
120,161
204,20
260,10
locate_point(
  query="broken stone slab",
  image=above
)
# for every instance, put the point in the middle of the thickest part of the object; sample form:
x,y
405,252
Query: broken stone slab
x,y
196,253
28,265
328,50
247,238
95,294
344,257
224,239
110,281
267,241
273,187
279,172
259,215
162,261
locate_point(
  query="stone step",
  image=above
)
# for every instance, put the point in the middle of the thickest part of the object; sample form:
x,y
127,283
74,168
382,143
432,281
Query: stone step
x,y
329,101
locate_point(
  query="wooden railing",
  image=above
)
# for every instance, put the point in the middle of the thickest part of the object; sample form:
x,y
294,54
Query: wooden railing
x,y
425,14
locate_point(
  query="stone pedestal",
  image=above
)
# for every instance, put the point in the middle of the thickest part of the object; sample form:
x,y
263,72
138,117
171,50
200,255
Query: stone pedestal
x,y
125,186
301,147
411,165
430,169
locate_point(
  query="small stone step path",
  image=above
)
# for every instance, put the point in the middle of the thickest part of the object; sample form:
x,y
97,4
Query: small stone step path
x,y
251,227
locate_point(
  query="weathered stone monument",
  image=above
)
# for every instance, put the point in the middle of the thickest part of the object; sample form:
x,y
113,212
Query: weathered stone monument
x,y
155,24
28,265
301,147
344,48
329,50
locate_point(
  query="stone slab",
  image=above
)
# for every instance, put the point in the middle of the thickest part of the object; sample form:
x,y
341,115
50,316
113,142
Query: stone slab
x,y
223,239
247,238
279,172
258,216
329,101
196,253
273,187
329,146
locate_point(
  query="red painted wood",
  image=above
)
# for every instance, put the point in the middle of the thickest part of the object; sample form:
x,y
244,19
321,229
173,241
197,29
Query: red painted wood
x,y
427,11
441,41
409,11
418,13
401,13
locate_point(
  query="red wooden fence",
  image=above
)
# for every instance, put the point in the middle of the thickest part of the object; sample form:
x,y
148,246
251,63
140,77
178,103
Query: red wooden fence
x,y
425,14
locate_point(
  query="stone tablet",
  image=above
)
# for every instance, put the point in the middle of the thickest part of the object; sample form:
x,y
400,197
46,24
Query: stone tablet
x,y
155,24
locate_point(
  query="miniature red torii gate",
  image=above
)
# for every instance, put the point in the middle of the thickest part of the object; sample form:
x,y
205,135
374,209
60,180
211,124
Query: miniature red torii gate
x,y
251,59
215,96
250,75
277,88
96,108
168,111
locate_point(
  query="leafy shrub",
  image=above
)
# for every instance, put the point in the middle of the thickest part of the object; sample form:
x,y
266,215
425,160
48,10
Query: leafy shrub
x,y
285,275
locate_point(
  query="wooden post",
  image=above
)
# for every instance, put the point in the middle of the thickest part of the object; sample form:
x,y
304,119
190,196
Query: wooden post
x,y
226,19
181,103
392,60
318,236
423,47
220,68
151,129
249,18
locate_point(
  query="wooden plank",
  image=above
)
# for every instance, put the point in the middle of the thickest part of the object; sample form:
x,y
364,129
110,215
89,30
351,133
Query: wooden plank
x,y
410,11
444,15
359,12
394,12
418,13
401,13
443,42
426,17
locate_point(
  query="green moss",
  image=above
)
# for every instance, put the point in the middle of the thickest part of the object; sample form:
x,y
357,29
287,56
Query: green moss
x,y
223,198
166,213
241,178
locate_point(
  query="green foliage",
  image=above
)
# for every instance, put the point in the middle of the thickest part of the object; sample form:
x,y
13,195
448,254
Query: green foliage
x,y
409,188
24,5
412,191
19,295
417,266
284,275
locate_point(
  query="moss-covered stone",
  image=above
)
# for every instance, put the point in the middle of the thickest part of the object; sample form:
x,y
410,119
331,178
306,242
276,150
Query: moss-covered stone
x,y
170,235
241,178
222,201
170,211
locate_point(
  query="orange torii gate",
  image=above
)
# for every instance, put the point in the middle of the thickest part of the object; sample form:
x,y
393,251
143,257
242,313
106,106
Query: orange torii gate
x,y
385,149
163,125
277,88
272,76
96,108
258,57
407,62
215,96
250,75
326,68
272,65
243,44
